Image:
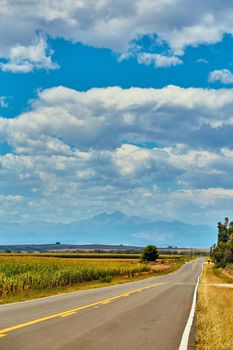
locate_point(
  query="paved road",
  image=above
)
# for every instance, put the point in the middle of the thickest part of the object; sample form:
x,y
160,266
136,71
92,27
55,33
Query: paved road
x,y
147,314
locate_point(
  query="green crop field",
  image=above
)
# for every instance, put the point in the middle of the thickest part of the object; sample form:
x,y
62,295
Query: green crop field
x,y
35,273
29,276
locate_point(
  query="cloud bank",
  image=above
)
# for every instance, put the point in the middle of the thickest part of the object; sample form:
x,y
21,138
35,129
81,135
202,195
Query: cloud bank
x,y
75,153
106,24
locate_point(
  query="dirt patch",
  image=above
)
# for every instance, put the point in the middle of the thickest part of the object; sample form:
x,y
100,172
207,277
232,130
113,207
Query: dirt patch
x,y
161,267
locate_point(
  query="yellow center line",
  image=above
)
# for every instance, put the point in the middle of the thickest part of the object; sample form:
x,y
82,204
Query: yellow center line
x,y
69,314
3,332
105,302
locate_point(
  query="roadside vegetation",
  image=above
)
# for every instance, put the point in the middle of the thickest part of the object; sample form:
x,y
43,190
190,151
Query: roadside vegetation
x,y
215,301
222,253
29,276
214,310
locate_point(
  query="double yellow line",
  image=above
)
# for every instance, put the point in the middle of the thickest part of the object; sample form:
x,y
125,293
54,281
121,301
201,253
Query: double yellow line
x,y
4,332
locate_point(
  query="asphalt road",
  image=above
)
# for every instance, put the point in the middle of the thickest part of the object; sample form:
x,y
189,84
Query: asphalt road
x,y
147,314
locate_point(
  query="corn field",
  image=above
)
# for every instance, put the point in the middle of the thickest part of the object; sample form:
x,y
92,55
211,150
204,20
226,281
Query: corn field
x,y
19,274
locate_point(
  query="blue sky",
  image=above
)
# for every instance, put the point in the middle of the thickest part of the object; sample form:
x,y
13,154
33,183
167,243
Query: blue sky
x,y
83,67
124,106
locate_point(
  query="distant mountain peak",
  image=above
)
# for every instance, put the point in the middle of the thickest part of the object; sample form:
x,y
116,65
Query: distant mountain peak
x,y
101,216
114,228
118,215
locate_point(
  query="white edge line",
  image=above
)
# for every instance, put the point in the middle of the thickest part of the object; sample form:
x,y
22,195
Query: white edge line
x,y
187,330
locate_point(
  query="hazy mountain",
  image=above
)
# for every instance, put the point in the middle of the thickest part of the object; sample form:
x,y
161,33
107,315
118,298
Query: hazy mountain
x,y
115,228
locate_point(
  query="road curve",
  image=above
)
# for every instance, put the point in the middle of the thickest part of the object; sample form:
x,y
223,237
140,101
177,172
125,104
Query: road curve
x,y
146,314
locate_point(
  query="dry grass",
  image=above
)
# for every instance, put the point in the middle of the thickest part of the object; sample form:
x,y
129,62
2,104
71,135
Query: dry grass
x,y
228,271
214,312
163,267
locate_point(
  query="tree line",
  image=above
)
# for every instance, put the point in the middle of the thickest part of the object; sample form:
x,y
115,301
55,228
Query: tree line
x,y
222,252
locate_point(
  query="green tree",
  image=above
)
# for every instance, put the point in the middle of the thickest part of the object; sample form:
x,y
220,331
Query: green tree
x,y
222,253
223,232
150,253
230,231
218,255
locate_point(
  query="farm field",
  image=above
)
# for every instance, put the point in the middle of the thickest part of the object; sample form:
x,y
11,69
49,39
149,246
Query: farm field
x,y
30,276
214,318
109,256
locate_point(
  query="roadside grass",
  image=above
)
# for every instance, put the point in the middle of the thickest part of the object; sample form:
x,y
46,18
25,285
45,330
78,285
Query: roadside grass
x,y
228,271
151,270
214,326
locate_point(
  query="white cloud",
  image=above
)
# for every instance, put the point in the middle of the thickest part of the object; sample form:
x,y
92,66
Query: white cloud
x,y
202,60
78,153
128,177
63,118
72,186
98,23
3,102
10,198
158,60
223,75
24,59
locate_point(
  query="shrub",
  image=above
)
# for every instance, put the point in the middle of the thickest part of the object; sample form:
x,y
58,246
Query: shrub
x,y
107,279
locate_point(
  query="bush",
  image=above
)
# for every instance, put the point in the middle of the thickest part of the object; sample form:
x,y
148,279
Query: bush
x,y
150,253
107,279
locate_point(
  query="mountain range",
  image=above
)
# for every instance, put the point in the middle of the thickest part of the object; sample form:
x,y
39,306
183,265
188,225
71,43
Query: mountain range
x,y
114,228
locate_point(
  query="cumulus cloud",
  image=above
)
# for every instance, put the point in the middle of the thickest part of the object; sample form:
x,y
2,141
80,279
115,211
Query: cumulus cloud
x,y
155,182
158,60
98,23
24,59
224,76
75,153
63,118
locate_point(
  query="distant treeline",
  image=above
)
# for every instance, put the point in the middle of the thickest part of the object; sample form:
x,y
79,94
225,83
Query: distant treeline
x,y
102,252
222,253
73,251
